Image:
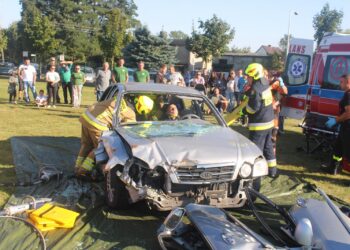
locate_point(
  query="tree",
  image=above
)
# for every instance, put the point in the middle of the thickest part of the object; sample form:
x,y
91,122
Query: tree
x,y
284,41
40,33
177,34
244,50
3,43
114,34
326,21
277,62
211,40
153,50
14,46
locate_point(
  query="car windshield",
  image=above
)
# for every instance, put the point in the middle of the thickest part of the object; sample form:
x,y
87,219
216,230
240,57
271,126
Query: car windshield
x,y
160,108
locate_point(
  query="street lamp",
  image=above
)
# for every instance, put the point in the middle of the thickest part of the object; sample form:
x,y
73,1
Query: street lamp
x,y
288,38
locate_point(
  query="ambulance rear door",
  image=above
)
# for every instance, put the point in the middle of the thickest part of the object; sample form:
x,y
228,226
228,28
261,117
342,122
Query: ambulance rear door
x,y
296,77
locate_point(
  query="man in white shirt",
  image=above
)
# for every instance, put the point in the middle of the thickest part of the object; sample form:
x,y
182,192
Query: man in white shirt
x,y
28,76
175,78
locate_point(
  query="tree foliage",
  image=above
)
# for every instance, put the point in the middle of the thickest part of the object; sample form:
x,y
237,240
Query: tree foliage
x,y
284,41
244,50
277,62
14,46
114,34
3,43
326,21
153,50
212,39
177,34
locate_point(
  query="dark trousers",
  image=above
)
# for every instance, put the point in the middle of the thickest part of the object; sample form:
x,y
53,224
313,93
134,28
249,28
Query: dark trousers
x,y
342,143
52,93
263,139
67,87
12,97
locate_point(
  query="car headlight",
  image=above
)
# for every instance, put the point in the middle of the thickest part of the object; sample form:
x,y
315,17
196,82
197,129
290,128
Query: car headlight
x,y
245,171
260,167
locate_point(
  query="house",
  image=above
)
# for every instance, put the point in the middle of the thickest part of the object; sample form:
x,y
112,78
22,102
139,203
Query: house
x,y
268,50
231,60
186,60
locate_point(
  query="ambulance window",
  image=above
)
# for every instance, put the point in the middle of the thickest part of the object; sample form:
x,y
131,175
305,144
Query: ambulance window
x,y
297,70
336,67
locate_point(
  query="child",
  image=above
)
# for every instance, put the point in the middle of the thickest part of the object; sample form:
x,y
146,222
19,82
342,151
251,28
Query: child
x,y
41,99
13,82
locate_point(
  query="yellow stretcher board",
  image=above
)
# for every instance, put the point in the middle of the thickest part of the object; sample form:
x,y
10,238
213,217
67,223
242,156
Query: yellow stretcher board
x,y
230,118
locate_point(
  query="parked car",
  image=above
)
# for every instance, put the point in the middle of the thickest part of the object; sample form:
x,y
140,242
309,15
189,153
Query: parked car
x,y
193,158
309,224
6,68
90,74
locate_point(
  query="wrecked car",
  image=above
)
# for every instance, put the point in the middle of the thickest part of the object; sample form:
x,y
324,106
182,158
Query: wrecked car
x,y
170,162
309,224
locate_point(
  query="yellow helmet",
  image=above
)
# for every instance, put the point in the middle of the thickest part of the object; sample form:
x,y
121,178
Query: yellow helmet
x,y
255,70
144,105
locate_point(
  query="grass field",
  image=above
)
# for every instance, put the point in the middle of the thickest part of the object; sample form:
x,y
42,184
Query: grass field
x,y
23,120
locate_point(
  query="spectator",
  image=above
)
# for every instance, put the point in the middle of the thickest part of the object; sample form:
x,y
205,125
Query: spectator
x,y
187,78
28,76
175,78
219,100
65,72
230,90
213,80
241,84
120,73
52,79
161,75
198,83
103,79
141,75
12,87
52,62
41,99
20,85
78,80
236,88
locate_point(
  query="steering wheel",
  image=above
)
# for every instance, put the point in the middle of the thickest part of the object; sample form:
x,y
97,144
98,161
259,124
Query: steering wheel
x,y
190,116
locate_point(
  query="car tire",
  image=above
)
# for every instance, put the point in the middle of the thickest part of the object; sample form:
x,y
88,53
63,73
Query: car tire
x,y
117,196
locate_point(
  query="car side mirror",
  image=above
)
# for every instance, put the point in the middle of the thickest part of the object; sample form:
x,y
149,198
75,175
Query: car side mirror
x,y
303,232
174,218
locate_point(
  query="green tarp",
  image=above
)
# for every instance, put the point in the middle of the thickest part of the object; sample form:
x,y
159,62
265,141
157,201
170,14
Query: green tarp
x,y
97,227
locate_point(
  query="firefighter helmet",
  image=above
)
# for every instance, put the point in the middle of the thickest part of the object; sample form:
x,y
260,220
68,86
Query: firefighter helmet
x,y
144,105
255,70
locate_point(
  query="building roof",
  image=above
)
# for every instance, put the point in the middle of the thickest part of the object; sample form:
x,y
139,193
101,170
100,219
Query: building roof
x,y
270,50
241,54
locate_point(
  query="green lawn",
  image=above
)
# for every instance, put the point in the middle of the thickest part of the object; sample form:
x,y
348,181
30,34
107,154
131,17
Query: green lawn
x,y
22,120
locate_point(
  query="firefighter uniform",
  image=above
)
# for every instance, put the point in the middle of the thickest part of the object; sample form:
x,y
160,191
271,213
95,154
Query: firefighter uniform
x,y
96,119
260,115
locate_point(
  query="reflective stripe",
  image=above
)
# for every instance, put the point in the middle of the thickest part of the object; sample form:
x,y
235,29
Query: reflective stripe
x,y
337,158
260,126
88,164
94,122
79,161
250,110
272,163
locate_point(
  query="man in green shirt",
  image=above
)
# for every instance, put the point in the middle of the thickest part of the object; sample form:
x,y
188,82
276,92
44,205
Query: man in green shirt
x,y
120,73
141,75
65,75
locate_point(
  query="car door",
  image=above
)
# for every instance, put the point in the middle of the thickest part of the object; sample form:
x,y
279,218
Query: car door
x,y
296,77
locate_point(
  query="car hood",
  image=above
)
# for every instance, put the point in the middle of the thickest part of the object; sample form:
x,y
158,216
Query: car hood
x,y
183,143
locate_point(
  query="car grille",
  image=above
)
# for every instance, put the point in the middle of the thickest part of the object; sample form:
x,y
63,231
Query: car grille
x,y
200,175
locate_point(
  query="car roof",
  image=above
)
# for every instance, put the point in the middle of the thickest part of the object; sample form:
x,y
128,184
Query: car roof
x,y
156,87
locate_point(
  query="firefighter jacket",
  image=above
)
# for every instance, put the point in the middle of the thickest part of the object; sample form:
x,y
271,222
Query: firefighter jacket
x,y
259,107
100,115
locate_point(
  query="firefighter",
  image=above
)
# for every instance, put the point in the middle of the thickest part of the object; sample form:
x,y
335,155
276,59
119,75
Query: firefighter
x,y
342,143
96,119
260,114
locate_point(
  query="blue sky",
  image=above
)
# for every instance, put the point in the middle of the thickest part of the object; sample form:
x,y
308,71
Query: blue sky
x,y
257,22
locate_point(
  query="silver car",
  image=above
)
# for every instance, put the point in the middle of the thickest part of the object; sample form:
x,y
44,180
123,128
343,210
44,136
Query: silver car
x,y
167,162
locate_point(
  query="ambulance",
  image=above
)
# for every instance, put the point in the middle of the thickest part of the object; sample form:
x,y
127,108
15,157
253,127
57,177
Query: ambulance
x,y
313,81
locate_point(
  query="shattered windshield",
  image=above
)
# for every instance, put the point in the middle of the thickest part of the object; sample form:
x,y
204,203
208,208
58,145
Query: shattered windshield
x,y
171,128
146,108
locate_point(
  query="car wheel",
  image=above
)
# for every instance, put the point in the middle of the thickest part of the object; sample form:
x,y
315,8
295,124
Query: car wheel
x,y
116,194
